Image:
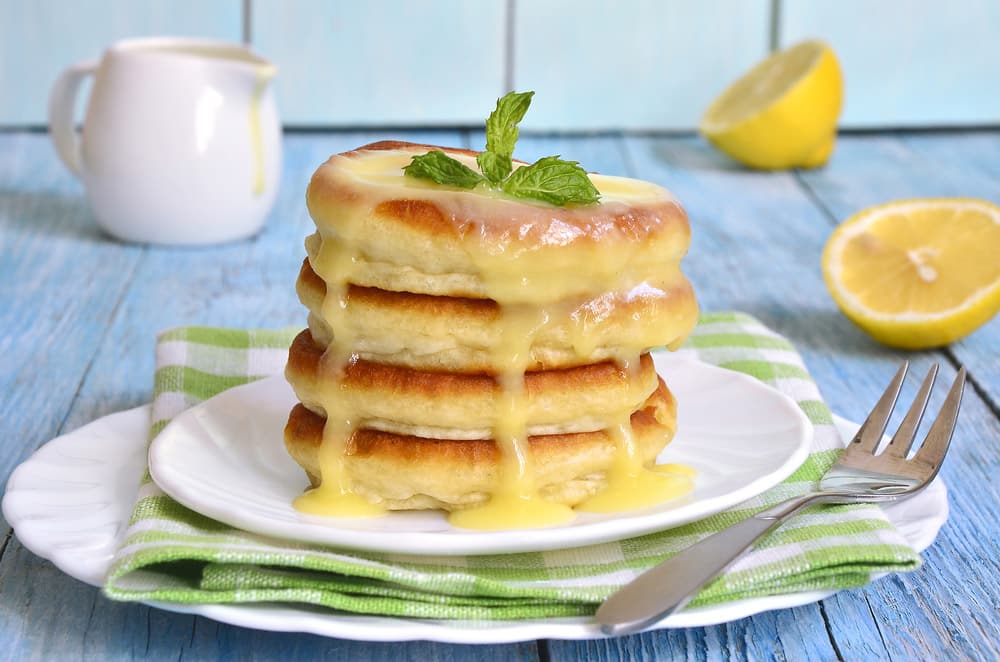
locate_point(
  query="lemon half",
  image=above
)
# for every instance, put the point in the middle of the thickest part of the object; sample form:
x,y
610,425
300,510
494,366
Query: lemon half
x,y
917,273
783,112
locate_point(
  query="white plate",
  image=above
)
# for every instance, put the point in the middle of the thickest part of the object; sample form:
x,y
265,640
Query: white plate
x,y
224,458
70,501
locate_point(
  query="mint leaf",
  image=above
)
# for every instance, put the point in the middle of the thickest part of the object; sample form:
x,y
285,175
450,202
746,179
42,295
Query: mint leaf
x,y
549,179
442,169
552,180
495,166
501,135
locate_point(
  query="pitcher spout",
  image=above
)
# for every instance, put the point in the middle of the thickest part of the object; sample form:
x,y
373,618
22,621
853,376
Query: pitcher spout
x,y
265,72
253,72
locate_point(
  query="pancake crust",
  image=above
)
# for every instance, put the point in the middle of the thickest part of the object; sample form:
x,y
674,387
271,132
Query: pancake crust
x,y
461,334
406,473
455,405
334,184
405,235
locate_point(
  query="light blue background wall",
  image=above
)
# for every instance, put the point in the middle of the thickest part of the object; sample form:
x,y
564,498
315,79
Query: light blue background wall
x,y
596,64
38,38
908,62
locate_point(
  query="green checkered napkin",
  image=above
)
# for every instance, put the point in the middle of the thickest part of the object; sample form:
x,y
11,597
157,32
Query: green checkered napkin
x,y
173,554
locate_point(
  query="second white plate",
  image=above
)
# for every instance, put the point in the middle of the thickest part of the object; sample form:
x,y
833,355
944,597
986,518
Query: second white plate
x,y
225,459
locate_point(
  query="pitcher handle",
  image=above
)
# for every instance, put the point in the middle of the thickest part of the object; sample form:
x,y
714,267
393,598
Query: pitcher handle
x,y
61,104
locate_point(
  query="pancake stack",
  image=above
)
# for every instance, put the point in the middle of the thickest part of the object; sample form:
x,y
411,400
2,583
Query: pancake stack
x,y
480,354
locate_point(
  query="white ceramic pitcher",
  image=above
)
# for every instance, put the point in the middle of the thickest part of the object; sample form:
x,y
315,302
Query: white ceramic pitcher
x,y
181,140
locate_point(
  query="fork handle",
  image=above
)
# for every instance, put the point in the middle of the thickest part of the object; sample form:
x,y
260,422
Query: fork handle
x,y
667,587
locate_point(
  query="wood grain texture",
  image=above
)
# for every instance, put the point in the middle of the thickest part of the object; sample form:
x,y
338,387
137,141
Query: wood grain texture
x,y
61,281
756,244
867,171
39,39
636,65
789,634
907,62
387,63
974,160
932,613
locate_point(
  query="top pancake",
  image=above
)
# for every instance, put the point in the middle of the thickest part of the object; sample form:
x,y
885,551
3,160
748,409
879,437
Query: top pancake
x,y
400,233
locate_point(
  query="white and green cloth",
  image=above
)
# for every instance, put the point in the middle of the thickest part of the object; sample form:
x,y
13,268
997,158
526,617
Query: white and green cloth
x,y
173,554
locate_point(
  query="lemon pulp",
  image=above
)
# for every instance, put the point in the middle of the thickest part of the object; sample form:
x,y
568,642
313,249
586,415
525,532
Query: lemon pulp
x,y
917,273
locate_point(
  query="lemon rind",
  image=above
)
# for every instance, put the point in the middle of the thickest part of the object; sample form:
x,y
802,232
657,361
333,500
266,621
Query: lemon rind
x,y
910,330
707,126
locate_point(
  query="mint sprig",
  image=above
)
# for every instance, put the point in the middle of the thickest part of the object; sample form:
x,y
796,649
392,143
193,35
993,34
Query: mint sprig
x,y
501,135
549,179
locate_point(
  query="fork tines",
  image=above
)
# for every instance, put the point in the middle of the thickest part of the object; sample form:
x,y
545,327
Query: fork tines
x,y
935,444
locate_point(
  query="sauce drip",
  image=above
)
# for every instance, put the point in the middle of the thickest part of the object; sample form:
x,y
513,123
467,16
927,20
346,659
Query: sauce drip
x,y
630,485
335,497
528,306
256,136
515,503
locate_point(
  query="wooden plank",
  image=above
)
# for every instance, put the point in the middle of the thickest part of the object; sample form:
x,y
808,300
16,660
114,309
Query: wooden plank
x,y
937,612
755,236
244,284
869,170
61,280
907,62
790,634
641,64
974,161
941,611
39,39
393,62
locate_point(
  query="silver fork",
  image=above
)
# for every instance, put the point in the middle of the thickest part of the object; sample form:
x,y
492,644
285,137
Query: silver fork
x,y
859,476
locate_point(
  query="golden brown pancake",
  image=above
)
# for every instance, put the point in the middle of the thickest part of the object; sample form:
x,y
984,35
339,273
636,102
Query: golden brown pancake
x,y
403,472
408,235
462,334
457,337
462,405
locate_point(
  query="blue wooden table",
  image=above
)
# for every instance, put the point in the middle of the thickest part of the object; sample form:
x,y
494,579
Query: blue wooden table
x,y
78,315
